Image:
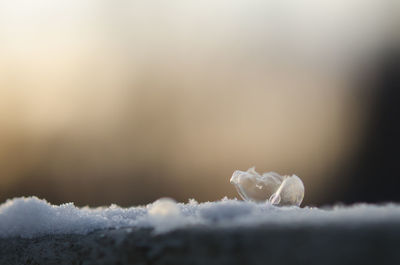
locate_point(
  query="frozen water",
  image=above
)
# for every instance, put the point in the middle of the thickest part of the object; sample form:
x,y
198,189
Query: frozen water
x,y
270,186
33,217
164,215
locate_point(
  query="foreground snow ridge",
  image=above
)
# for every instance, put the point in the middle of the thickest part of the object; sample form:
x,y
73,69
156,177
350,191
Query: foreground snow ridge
x,y
33,217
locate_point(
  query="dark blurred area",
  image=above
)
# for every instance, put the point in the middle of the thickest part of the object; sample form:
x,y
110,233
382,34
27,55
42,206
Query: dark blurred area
x,y
374,170
104,102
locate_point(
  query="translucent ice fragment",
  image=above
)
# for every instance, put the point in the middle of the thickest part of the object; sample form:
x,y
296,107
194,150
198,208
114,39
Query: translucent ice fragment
x,y
272,187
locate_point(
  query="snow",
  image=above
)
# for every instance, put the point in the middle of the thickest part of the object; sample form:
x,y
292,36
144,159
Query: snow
x,y
164,215
32,217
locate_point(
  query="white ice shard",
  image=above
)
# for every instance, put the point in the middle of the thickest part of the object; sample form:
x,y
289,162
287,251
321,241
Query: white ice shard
x,y
270,186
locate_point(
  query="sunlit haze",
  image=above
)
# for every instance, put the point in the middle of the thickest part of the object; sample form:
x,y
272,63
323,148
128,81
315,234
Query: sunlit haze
x,y
127,101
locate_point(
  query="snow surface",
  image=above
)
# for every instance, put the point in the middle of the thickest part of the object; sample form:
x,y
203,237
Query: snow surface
x,y
33,217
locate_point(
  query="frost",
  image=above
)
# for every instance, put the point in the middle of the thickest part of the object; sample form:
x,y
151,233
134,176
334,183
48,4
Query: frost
x,y
32,217
271,187
164,215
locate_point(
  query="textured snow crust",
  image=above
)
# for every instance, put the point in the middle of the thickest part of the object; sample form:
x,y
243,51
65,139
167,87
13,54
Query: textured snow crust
x,y
33,217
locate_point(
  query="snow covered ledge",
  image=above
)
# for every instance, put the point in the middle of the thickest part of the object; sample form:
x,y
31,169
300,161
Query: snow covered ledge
x,y
33,231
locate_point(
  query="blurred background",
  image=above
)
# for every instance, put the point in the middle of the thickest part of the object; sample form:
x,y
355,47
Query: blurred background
x,y
128,101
